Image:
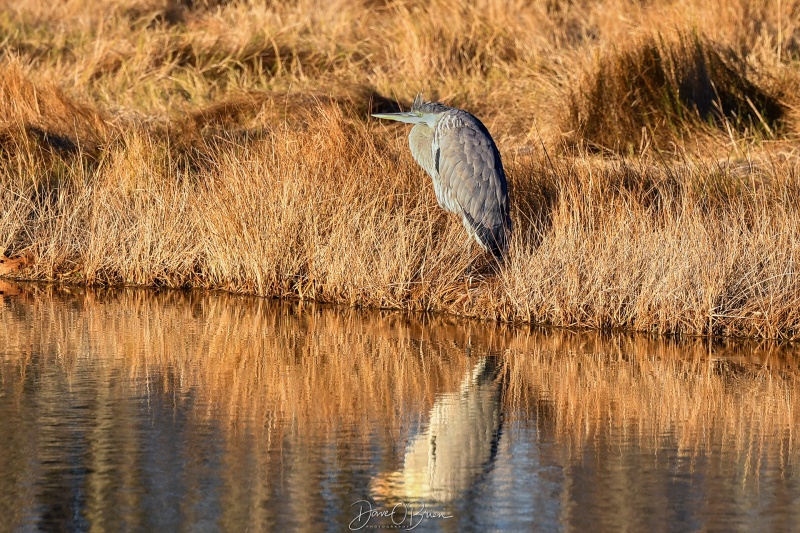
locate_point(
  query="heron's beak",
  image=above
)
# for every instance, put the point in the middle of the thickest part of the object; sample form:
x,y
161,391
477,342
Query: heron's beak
x,y
407,117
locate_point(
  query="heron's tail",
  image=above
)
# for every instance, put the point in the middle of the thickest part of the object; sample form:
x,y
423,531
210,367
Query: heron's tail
x,y
495,241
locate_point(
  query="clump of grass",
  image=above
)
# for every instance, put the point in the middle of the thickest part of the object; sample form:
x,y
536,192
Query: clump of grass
x,y
658,91
44,115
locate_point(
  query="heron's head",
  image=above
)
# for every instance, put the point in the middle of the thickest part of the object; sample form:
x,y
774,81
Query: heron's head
x,y
421,112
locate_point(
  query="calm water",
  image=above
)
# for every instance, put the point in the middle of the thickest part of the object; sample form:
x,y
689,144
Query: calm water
x,y
143,411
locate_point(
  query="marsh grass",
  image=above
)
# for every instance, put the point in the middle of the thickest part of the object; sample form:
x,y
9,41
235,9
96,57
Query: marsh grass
x,y
647,93
228,145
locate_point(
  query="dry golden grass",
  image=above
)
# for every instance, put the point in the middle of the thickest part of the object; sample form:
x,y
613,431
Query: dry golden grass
x,y
647,93
215,144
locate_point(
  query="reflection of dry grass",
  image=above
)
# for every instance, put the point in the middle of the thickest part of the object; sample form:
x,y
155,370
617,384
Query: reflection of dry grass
x,y
744,398
227,145
275,367
253,360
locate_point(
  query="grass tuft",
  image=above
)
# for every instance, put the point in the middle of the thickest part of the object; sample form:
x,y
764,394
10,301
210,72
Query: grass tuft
x,y
658,91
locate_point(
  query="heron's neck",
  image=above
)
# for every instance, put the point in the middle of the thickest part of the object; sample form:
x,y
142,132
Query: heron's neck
x,y
420,141
431,119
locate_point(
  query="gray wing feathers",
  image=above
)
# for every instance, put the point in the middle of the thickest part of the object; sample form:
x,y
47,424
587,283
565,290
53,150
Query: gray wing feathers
x,y
473,180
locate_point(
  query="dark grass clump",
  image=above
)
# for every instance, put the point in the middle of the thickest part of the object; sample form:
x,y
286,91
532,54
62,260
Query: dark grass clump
x,y
656,91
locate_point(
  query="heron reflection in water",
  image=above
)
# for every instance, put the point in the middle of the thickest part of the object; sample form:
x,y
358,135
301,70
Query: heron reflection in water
x,y
456,150
458,445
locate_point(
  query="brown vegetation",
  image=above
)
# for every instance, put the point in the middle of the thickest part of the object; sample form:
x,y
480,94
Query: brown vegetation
x,y
227,145
652,91
9,265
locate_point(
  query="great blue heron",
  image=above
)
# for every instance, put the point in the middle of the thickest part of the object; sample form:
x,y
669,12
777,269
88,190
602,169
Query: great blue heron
x,y
455,148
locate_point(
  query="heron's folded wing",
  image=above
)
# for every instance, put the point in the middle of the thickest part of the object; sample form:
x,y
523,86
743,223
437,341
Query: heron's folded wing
x,y
472,176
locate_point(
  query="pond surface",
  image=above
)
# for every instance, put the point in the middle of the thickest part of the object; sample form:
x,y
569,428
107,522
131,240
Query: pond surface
x,y
134,410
